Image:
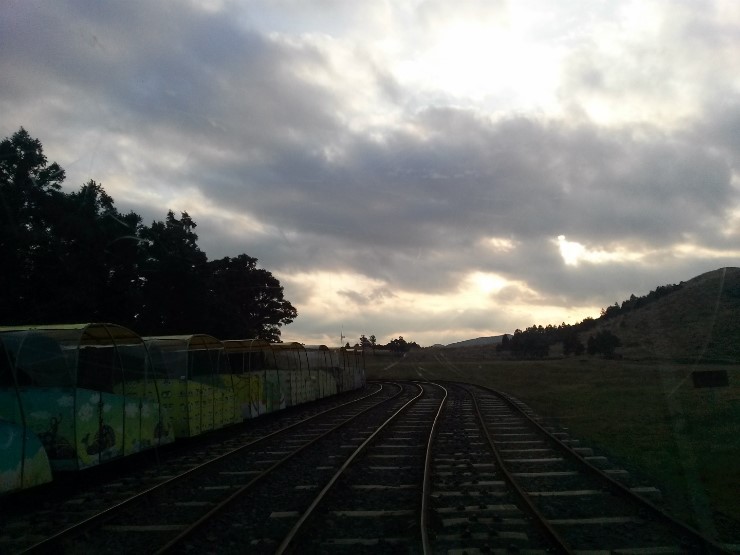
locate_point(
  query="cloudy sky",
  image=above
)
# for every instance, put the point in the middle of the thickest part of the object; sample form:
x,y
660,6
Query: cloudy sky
x,y
433,169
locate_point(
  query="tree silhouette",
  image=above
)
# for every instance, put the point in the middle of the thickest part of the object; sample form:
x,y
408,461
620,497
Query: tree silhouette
x,y
30,191
245,301
74,258
98,271
572,345
604,343
173,277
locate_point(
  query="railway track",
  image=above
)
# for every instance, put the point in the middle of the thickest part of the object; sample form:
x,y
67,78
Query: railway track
x,y
579,501
435,468
371,502
572,493
72,509
471,508
272,514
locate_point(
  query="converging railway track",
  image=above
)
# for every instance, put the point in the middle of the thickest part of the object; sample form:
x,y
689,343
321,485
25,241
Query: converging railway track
x,y
69,507
579,500
410,467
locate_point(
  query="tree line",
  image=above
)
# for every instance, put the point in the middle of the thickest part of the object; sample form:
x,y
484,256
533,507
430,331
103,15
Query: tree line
x,y
398,345
633,303
74,257
535,341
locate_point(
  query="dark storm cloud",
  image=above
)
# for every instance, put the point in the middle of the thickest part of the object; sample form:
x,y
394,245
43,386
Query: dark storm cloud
x,y
462,179
170,75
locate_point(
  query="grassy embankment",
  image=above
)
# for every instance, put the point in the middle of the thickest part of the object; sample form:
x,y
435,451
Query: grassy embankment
x,y
647,417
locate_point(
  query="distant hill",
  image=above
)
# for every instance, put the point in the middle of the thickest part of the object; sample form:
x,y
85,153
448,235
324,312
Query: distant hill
x,y
700,320
479,342
695,321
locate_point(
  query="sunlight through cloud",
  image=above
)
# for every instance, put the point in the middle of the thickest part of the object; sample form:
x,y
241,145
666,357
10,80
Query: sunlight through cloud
x,y
573,253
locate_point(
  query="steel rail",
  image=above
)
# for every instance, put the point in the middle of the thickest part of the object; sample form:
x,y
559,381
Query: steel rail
x,y
425,490
616,486
309,511
191,529
50,544
558,541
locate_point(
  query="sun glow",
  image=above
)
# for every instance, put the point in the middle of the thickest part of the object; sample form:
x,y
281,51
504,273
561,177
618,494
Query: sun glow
x,y
573,253
488,283
484,58
483,304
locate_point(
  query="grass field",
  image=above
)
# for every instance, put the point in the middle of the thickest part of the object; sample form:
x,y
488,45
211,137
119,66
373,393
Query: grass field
x,y
647,417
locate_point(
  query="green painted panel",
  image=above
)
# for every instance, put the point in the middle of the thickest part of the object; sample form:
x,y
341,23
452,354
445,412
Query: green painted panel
x,y
132,425
242,397
273,392
224,399
99,421
284,381
311,385
194,407
300,386
174,399
258,394
294,389
146,422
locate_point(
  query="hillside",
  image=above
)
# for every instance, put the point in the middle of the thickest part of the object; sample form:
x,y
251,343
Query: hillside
x,y
700,321
478,342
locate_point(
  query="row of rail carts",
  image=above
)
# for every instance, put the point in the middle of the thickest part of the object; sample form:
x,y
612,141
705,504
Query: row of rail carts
x,y
75,396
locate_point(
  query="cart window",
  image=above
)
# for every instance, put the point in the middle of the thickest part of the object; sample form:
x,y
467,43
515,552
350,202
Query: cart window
x,y
39,361
134,361
98,369
222,362
201,363
168,360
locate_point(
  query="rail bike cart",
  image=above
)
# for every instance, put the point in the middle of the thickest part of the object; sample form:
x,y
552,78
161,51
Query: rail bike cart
x,y
249,361
194,382
294,373
323,362
85,391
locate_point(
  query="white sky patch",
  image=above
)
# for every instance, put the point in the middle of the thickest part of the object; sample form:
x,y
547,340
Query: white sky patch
x,y
119,186
238,225
499,244
651,62
550,314
343,298
187,199
325,287
574,253
488,283
482,58
688,250
211,6
350,72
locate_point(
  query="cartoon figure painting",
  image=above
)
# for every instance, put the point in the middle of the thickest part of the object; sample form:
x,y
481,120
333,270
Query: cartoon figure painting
x,y
57,447
105,438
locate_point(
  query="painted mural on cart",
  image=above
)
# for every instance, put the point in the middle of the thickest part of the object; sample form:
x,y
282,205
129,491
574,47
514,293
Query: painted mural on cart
x,y
82,393
79,395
